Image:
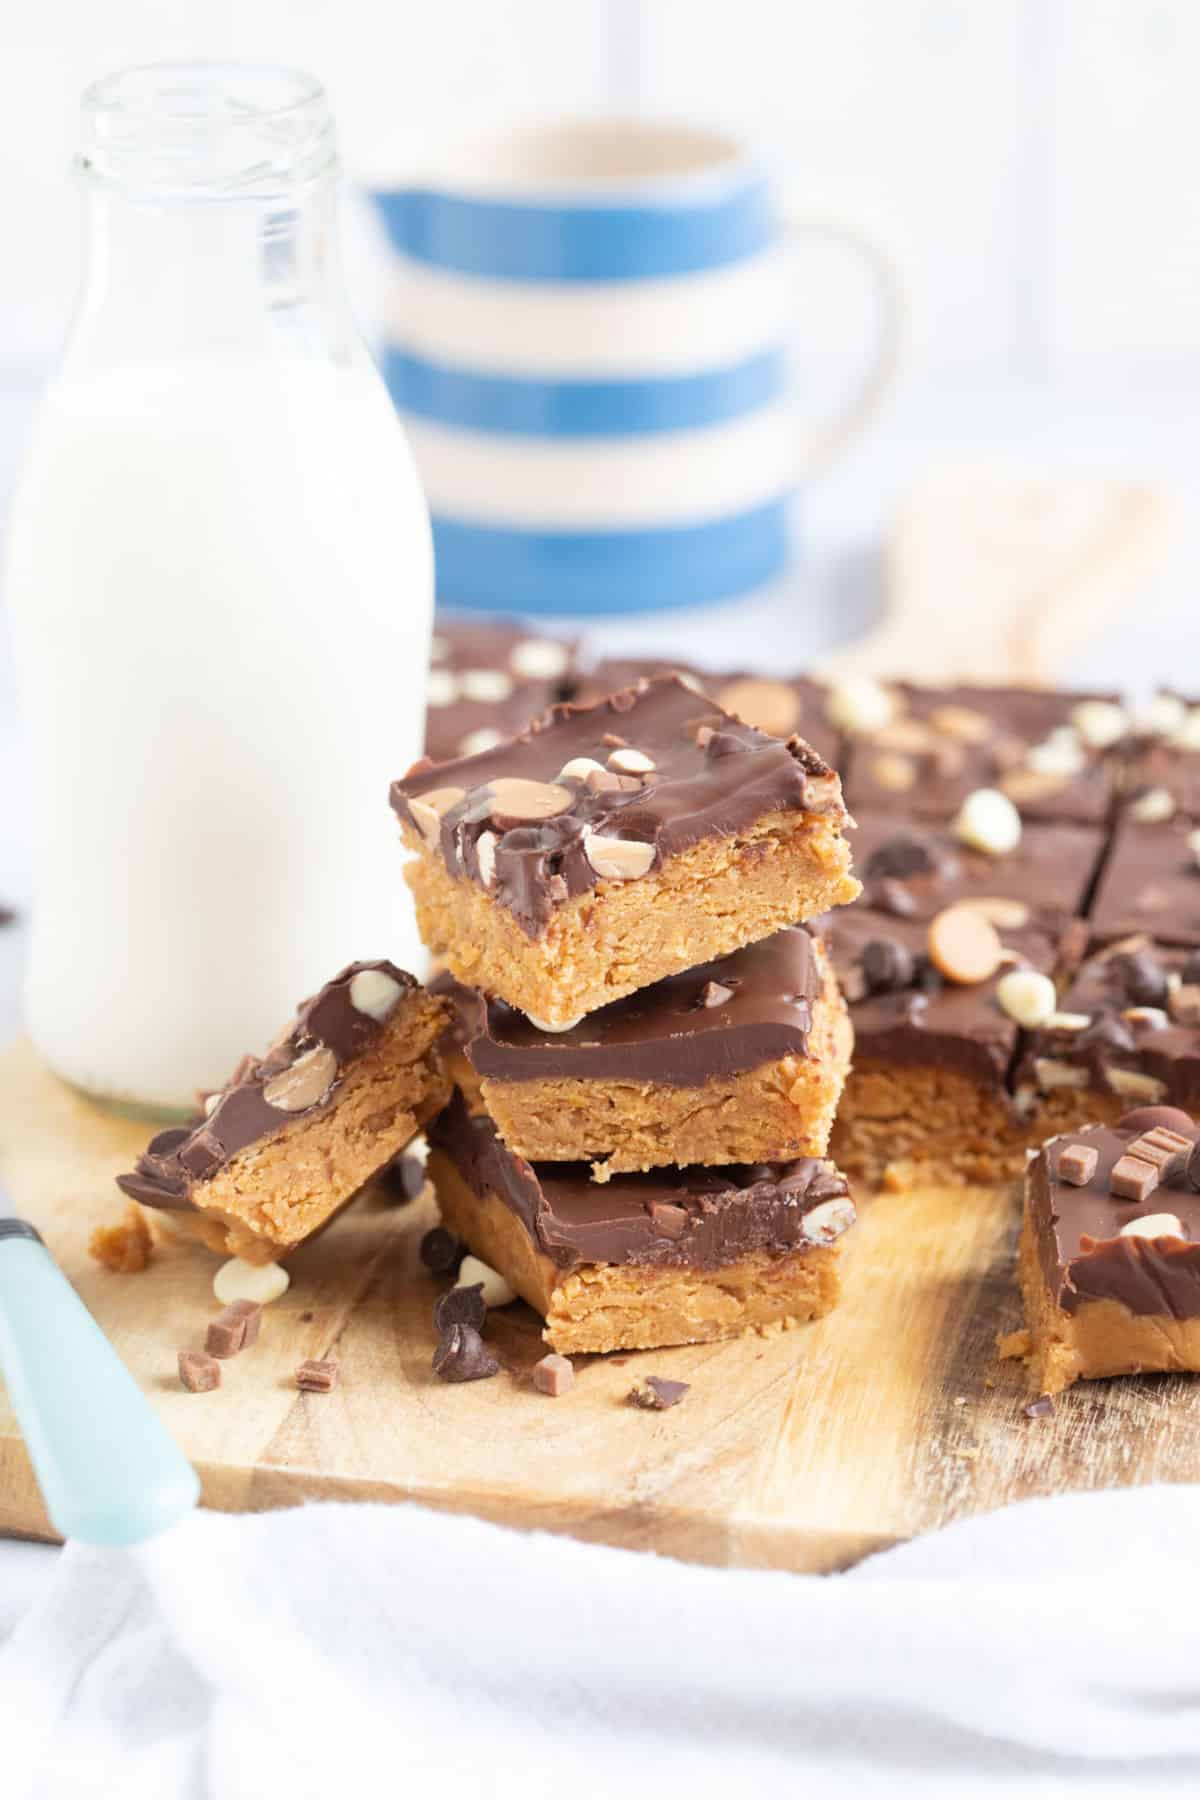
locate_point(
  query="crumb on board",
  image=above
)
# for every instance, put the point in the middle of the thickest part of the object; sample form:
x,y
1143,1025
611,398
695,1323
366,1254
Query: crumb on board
x,y
1013,1344
126,1247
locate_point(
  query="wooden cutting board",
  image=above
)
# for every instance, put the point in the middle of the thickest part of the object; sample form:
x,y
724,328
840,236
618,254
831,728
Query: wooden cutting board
x,y
804,1451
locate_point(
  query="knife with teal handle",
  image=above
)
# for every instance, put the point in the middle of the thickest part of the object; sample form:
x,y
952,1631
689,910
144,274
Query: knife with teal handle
x,y
109,1472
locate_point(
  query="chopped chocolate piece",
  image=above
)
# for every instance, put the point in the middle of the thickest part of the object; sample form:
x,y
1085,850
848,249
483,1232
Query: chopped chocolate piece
x,y
226,1334
1107,1031
1166,1149
199,1372
441,1251
1077,1164
903,855
316,1376
1133,1178
403,1179
460,1306
461,1355
250,1312
656,1393
891,896
714,993
1041,1408
554,1375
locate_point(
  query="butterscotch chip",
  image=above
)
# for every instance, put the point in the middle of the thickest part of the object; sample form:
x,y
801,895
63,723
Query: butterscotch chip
x,y
963,723
1077,1164
199,1372
316,1376
964,946
894,772
126,1247
513,797
768,705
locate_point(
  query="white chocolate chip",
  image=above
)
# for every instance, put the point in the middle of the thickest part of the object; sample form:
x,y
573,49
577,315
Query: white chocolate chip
x,y
374,992
1153,1016
620,859
579,768
487,685
260,1282
554,1030
1003,913
1187,735
828,1221
1067,1021
441,689
988,821
859,705
1060,754
1160,717
1053,1074
485,857
1131,1084
476,742
962,723
1027,996
539,659
427,810
305,1083
632,762
211,1102
496,1291
1100,723
1153,807
514,797
1153,1225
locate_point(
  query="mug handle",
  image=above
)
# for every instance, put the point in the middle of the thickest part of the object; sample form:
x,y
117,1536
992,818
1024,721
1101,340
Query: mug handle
x,y
866,397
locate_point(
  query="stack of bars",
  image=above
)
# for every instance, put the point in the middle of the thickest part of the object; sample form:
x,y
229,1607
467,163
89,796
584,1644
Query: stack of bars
x,y
649,1047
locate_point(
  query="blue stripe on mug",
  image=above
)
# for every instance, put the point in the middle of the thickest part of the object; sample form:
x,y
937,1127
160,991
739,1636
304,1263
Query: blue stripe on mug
x,y
515,241
493,568
517,406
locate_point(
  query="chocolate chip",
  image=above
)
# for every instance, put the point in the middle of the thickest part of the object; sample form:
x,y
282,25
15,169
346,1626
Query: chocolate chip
x,y
1150,1118
891,896
670,1220
403,1179
1142,977
441,1251
886,965
462,1356
554,1375
900,856
1106,1032
1041,1408
656,1393
461,1306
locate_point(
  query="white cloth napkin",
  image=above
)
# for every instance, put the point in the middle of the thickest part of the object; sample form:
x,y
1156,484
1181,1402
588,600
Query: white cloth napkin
x,y
343,1650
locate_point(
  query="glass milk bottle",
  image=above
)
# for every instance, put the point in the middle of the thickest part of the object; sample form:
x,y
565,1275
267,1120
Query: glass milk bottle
x,y
220,576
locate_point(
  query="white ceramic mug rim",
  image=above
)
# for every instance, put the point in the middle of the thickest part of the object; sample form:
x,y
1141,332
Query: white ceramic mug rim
x,y
561,159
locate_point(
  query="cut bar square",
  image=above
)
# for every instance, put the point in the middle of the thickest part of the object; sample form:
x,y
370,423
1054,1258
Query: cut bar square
x,y
740,1060
607,847
1151,882
1111,1286
644,1261
295,1135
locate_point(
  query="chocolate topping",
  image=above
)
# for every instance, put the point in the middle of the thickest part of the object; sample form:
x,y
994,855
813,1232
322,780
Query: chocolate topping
x,y
1050,870
692,792
240,1114
486,679
1078,1231
1150,883
720,1018
727,1212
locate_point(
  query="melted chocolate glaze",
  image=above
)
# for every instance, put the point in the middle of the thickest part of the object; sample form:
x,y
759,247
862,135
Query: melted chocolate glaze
x,y
673,1218
1078,1230
460,704
1014,719
1169,1052
1051,868
176,1160
796,699
1150,883
930,1021
697,790
671,1032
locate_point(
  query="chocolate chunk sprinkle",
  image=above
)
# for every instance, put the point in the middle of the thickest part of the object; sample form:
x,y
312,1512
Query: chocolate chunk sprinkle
x,y
199,1372
403,1179
461,1355
461,1306
1041,1408
441,1251
656,1393
316,1376
886,965
900,856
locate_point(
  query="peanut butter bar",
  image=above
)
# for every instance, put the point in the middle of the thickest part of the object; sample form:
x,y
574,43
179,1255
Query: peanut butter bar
x,y
780,706
928,1101
1049,752
295,1135
1110,1250
1151,881
643,1261
607,847
913,870
1126,1033
739,1060
485,679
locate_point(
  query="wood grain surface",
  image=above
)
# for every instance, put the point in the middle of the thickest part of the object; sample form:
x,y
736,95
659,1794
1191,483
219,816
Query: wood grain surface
x,y
802,1451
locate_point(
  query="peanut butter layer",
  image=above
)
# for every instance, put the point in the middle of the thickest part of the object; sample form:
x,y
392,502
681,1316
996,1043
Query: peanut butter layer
x,y
1111,1279
596,1306
294,1135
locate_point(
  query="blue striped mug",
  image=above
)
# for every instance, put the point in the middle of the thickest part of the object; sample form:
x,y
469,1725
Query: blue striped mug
x,y
586,338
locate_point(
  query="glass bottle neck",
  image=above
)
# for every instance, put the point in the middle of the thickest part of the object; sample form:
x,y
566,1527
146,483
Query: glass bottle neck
x,y
194,277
